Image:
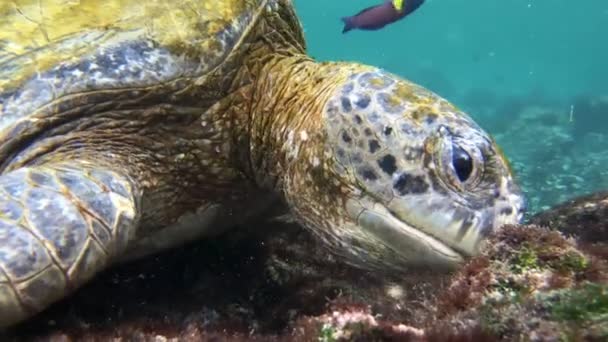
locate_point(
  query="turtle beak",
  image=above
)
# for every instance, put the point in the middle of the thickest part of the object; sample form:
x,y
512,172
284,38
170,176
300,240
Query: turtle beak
x,y
433,233
457,227
414,245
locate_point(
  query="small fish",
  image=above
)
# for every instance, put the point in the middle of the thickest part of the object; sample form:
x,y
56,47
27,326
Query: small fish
x,y
378,16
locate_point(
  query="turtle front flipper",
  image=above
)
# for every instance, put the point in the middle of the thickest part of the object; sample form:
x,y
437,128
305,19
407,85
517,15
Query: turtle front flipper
x,y
59,226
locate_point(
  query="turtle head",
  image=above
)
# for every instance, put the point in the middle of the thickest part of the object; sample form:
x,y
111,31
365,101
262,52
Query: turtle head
x,y
404,176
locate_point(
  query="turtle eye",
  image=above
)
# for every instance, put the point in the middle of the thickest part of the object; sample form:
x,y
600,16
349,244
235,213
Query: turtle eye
x,y
462,163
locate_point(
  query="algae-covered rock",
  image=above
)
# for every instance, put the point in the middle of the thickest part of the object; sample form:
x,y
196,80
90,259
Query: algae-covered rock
x,y
584,217
531,282
275,282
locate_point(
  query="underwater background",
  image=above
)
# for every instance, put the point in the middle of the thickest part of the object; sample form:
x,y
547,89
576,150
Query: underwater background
x,y
533,73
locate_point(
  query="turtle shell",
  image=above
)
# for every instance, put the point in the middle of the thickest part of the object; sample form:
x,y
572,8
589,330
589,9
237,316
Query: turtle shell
x,y
59,56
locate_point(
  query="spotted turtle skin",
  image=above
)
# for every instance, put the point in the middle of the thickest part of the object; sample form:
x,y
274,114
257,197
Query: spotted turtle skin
x,y
129,127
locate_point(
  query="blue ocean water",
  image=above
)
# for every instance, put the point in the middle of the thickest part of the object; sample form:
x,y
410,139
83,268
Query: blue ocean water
x,y
534,73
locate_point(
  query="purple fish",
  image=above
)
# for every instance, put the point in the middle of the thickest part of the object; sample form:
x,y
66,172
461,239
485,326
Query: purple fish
x,y
376,17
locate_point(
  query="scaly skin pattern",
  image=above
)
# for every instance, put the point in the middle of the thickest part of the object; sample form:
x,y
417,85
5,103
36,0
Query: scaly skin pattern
x,y
103,151
40,256
369,147
365,159
138,125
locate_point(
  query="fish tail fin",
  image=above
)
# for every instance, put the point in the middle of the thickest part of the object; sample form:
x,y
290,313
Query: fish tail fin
x,y
348,24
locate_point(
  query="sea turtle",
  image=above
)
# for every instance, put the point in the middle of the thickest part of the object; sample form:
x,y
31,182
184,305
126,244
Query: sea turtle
x,y
131,126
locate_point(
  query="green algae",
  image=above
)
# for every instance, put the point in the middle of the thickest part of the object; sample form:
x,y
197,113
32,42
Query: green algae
x,y
570,313
525,259
588,303
327,333
571,261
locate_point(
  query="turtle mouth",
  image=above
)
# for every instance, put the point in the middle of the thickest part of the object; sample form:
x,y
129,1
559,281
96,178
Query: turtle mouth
x,y
412,243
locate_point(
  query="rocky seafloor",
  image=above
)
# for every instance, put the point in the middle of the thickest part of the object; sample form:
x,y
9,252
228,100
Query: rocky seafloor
x,y
274,282
558,150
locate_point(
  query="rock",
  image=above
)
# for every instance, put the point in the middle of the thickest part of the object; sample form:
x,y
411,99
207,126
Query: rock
x,y
531,283
584,217
275,282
